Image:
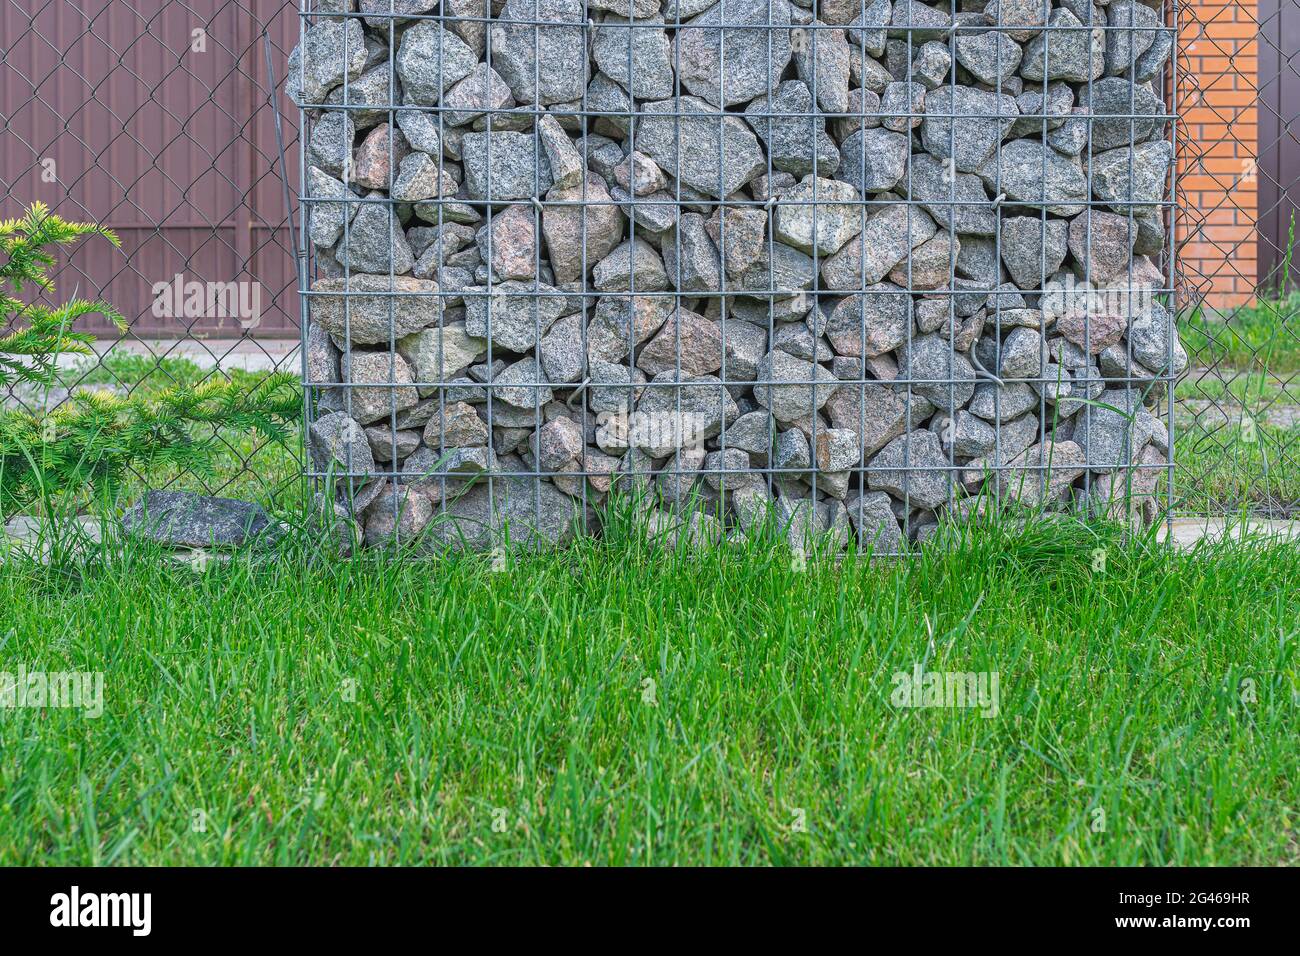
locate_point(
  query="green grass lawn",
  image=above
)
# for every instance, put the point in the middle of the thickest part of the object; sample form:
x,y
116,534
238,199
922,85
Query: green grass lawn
x,y
617,704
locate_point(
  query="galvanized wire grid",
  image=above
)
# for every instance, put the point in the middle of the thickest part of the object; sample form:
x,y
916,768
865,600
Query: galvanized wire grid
x,y
1239,405
162,121
363,485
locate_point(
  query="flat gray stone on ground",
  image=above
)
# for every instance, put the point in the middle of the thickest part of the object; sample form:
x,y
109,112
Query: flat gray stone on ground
x,y
181,519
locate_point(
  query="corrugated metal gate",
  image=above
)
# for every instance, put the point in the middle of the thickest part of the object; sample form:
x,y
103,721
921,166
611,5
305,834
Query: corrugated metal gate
x,y
155,118
1279,155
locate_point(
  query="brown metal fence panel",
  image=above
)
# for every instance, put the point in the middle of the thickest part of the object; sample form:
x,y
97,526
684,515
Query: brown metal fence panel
x,y
1279,160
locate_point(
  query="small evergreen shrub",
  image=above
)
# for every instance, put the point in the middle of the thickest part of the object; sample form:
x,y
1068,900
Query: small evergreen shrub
x,y
86,447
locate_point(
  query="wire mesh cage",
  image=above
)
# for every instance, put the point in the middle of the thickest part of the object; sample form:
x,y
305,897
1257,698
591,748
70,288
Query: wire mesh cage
x,y
864,267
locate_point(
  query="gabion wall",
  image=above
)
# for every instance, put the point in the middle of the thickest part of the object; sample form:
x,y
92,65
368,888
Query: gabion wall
x,y
862,267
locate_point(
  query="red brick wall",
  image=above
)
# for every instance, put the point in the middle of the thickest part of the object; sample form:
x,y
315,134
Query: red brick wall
x,y
1218,145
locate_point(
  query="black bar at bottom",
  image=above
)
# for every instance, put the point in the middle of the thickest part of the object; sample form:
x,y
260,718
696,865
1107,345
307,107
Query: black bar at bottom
x,y
336,906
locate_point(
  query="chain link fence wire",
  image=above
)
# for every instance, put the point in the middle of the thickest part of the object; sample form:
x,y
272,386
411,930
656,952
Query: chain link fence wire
x,y
1239,404
535,221
120,112
158,119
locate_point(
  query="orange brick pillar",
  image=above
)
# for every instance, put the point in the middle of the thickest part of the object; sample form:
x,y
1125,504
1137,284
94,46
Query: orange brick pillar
x,y
1218,88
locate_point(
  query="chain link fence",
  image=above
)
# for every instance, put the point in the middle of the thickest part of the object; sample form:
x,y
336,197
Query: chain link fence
x,y
159,119
1239,403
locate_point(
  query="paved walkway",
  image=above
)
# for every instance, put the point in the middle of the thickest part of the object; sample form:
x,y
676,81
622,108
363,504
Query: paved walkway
x,y
251,355
1187,531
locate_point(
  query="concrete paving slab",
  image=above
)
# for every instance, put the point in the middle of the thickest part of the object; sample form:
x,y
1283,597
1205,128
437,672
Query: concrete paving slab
x,y
1186,532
